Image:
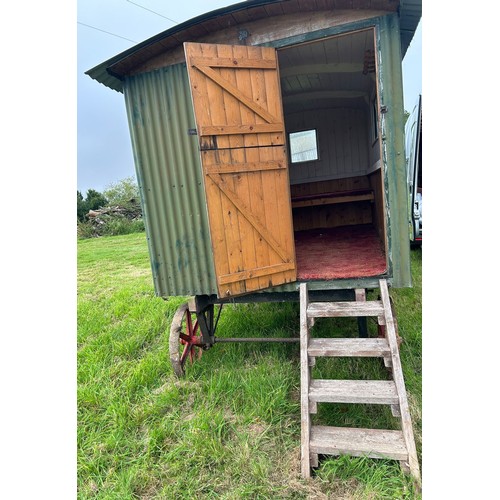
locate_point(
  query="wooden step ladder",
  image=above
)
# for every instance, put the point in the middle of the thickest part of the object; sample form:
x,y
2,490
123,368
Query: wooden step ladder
x,y
374,443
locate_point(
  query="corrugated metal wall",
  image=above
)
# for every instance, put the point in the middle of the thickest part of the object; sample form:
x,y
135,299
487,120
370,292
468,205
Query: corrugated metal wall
x,y
170,179
393,148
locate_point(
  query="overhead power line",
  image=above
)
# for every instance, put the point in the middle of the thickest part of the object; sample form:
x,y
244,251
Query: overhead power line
x,y
145,8
107,32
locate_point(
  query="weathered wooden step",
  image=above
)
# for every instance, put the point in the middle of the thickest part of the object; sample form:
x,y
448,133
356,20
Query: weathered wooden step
x,y
372,443
345,309
353,391
367,348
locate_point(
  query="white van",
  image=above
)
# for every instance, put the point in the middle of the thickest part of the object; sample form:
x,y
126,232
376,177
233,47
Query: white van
x,y
413,146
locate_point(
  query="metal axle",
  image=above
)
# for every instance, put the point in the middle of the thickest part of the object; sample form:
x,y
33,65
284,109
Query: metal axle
x,y
253,339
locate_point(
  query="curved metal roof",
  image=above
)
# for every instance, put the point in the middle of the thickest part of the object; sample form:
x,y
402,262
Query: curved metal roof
x,y
111,72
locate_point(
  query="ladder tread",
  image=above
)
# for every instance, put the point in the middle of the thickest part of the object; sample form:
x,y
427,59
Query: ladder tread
x,y
348,347
353,391
374,443
345,309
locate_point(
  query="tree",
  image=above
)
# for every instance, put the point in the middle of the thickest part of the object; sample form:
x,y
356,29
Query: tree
x,y
123,193
81,206
93,200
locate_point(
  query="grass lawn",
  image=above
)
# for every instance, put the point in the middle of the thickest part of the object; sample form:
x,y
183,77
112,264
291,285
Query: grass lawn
x,y
231,428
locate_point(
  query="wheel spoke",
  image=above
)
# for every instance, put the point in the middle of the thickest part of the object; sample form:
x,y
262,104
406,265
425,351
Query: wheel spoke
x,y
189,323
186,338
187,351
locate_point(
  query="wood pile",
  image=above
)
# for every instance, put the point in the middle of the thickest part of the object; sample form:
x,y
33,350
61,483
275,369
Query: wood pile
x,y
100,219
131,212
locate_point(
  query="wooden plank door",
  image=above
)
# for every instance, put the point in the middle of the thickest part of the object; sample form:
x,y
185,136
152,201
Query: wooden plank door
x,y
239,119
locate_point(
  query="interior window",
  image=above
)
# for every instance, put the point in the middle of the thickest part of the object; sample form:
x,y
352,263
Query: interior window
x,y
303,146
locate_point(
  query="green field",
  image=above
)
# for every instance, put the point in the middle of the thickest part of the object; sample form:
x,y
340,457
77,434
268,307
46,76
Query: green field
x,y
231,428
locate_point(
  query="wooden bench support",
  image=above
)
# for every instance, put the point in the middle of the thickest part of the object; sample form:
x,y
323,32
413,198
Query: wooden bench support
x,y
313,200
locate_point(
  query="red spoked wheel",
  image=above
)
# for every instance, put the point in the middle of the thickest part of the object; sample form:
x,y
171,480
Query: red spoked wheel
x,y
185,341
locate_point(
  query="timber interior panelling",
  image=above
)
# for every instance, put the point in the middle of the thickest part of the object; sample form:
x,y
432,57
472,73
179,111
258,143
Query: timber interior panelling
x,y
378,207
332,215
342,142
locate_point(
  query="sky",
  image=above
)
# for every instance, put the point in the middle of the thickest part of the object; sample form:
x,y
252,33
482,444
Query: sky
x,y
104,29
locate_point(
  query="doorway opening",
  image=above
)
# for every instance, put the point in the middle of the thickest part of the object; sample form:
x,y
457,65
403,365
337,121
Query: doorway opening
x,y
330,105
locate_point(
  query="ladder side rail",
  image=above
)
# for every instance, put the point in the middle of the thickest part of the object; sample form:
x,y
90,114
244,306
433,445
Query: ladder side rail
x,y
305,375
397,370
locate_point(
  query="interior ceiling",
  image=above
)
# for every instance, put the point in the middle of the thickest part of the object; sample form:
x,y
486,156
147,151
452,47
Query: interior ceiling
x,y
335,72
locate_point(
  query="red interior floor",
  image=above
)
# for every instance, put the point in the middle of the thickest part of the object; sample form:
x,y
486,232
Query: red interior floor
x,y
340,252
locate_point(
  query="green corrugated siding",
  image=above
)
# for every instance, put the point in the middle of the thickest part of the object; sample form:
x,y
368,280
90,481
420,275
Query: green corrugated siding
x,y
170,180
393,150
